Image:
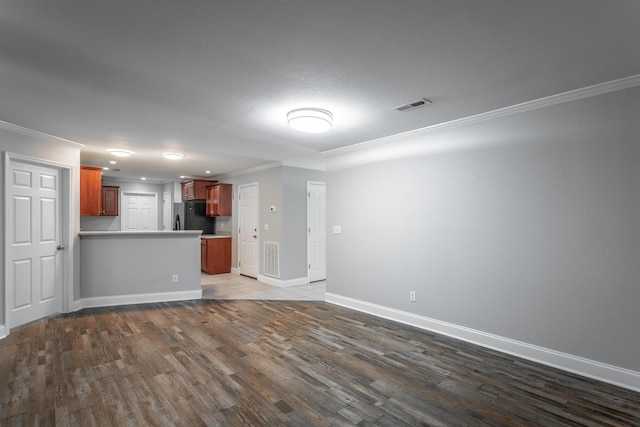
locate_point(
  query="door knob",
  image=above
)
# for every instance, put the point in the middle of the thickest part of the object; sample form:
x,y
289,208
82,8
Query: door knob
x,y
60,247
255,236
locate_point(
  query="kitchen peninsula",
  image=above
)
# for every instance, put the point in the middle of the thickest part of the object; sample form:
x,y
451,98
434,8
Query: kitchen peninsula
x,y
132,267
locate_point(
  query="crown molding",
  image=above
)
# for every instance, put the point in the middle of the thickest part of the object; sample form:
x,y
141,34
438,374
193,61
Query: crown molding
x,y
536,104
37,134
316,166
249,170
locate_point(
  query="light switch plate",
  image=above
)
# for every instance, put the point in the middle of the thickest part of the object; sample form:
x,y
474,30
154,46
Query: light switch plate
x,y
337,229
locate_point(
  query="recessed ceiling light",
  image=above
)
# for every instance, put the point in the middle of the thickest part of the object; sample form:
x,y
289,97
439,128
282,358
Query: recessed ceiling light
x,y
105,168
173,156
119,152
311,120
143,178
207,171
113,162
182,177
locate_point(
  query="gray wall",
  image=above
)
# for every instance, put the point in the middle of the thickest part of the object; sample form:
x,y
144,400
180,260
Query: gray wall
x,y
285,188
527,227
294,247
270,194
52,151
112,223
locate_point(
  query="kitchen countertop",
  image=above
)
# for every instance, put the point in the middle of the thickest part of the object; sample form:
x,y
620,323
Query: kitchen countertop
x,y
163,233
215,236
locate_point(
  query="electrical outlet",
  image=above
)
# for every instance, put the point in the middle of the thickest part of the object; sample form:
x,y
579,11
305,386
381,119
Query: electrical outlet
x,y
412,296
175,278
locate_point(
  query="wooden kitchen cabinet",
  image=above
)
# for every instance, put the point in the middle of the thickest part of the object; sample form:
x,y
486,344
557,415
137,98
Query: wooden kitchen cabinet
x,y
203,256
215,255
188,190
195,189
110,196
219,200
90,190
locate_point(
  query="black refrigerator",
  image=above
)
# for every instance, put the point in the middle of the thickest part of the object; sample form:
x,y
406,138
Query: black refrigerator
x,y
195,217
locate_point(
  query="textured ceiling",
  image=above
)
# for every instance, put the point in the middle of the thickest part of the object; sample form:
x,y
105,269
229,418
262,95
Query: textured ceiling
x,y
215,80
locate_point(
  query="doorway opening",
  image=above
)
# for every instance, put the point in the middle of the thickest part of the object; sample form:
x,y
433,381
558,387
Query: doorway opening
x,y
316,231
248,247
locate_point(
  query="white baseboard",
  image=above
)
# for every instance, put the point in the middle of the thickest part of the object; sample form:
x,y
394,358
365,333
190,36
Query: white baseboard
x,y
136,299
276,282
3,332
578,365
283,283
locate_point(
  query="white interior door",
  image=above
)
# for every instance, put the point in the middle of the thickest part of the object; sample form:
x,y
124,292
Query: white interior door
x,y
248,249
166,211
34,273
316,227
139,212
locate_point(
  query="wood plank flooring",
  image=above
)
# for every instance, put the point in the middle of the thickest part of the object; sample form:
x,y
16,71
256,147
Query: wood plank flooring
x,y
274,363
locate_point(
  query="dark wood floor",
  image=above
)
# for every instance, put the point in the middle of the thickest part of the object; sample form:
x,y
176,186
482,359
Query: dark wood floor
x,y
278,363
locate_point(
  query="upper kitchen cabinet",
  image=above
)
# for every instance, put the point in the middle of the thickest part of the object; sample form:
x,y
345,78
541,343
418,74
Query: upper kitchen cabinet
x,y
90,190
219,200
195,189
110,200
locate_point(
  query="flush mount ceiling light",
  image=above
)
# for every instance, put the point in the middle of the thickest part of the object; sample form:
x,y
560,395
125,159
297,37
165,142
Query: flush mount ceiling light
x,y
311,120
173,156
119,152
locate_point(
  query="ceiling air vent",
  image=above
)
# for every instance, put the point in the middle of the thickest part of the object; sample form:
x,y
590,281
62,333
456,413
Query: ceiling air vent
x,y
412,105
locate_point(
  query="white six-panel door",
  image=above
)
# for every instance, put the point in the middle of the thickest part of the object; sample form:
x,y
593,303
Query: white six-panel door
x,y
34,276
248,250
316,227
139,212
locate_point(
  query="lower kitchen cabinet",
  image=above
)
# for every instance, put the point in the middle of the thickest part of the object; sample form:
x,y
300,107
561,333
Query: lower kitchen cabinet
x,y
215,255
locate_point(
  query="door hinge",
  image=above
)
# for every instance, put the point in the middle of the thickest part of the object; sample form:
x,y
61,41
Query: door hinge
x,y
309,194
309,266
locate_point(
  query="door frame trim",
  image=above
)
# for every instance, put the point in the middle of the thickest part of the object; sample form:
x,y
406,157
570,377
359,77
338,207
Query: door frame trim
x,y
309,183
164,194
67,198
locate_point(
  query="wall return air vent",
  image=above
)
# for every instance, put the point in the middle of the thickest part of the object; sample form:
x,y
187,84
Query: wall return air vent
x,y
412,105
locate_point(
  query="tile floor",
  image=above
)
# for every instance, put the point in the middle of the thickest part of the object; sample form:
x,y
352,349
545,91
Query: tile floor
x,y
234,286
